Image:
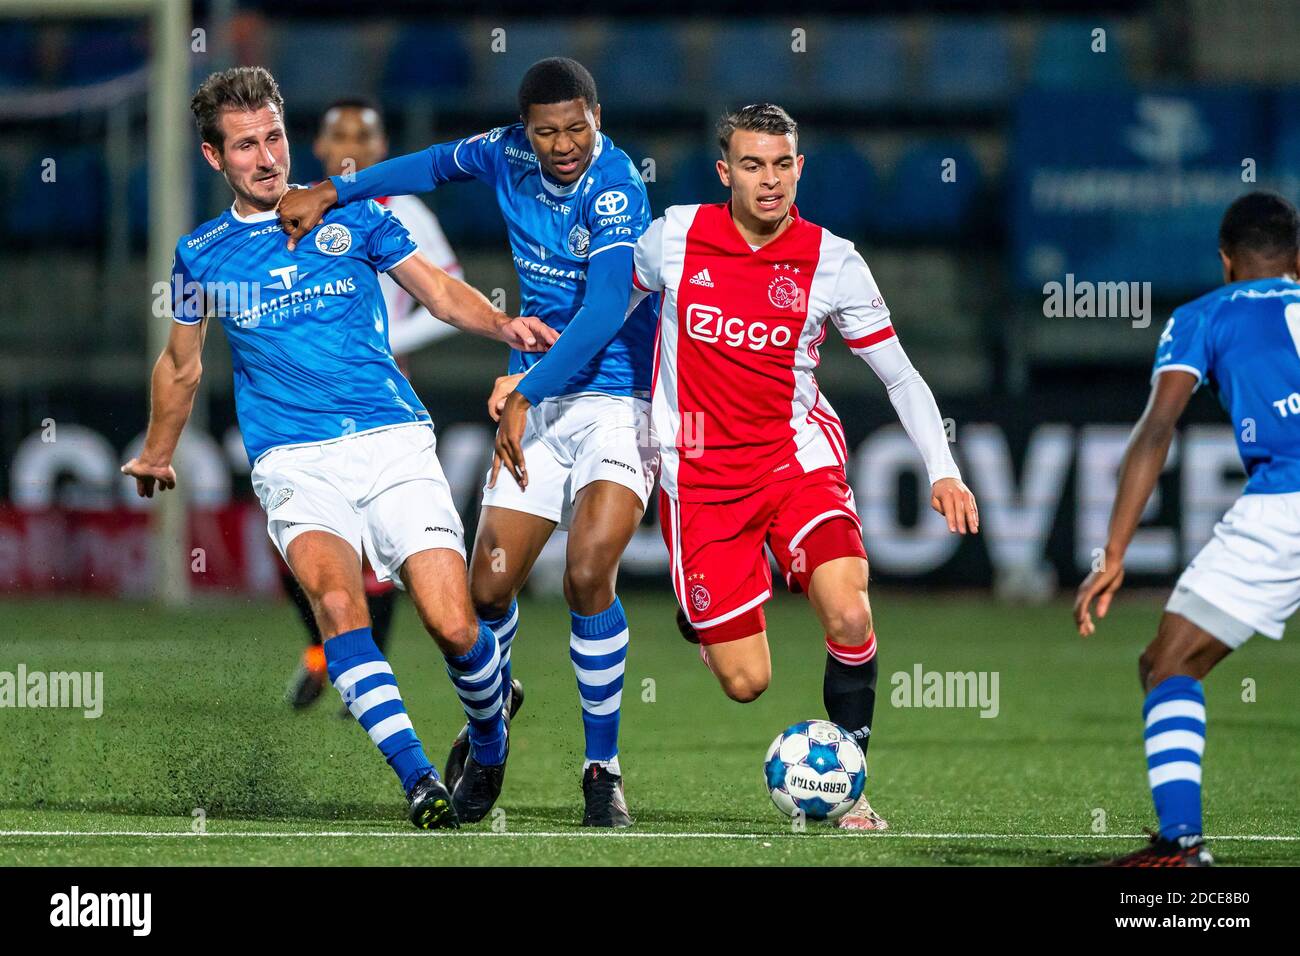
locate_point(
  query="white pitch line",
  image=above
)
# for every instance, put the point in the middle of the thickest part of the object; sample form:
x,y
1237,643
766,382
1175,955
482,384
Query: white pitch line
x,y
639,835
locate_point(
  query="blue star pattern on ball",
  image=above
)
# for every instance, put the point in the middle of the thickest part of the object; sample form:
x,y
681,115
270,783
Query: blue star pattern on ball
x,y
822,757
815,770
857,782
775,772
815,808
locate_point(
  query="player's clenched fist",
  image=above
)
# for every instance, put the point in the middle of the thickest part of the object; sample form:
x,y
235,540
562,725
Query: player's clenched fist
x,y
146,476
301,210
501,390
952,499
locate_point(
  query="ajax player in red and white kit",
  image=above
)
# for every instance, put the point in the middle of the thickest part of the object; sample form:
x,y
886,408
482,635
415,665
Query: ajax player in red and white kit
x,y
752,453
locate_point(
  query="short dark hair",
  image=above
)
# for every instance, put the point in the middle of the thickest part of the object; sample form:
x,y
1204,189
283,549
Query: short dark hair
x,y
1262,224
557,79
353,103
756,118
246,88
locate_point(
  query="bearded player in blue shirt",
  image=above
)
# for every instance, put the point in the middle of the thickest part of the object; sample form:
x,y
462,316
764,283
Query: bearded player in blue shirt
x,y
343,451
574,205
1243,339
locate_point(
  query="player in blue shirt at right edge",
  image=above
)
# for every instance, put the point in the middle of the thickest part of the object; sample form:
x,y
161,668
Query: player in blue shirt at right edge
x,y
574,205
1243,339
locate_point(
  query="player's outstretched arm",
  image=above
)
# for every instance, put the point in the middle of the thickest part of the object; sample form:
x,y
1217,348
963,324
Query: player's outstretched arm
x,y
175,379
919,413
604,310
301,210
415,330
1144,459
460,304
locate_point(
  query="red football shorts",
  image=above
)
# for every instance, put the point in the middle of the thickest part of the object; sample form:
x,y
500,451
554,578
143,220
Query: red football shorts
x,y
719,567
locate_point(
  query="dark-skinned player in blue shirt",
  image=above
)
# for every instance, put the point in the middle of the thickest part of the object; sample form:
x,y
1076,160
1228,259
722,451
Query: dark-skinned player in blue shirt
x,y
574,205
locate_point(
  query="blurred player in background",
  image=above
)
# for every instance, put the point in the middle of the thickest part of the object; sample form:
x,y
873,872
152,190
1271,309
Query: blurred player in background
x,y
352,137
1244,340
752,452
574,205
343,452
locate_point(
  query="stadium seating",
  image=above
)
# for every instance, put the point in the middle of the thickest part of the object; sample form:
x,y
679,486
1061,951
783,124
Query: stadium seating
x,y
298,51
426,60
498,74
201,190
839,190
858,63
1064,59
688,177
917,202
750,62
967,63
1286,130
630,54
68,211
19,65
102,52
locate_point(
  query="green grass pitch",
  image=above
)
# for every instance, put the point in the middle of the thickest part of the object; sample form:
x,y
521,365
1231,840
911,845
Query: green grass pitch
x,y
194,720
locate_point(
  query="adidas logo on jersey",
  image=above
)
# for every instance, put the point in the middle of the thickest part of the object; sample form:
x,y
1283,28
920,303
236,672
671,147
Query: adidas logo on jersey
x,y
702,278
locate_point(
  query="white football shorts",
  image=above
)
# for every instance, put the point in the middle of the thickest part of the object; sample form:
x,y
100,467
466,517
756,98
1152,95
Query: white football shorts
x,y
571,441
382,491
1249,572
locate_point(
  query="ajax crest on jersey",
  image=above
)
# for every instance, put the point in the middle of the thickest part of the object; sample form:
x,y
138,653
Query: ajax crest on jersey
x,y
700,598
333,239
815,768
783,293
579,241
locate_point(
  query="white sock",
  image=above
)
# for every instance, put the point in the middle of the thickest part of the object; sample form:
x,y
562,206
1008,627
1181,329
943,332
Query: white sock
x,y
610,765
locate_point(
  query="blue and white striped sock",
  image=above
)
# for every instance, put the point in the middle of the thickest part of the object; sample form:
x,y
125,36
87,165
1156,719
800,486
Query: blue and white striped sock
x,y
363,678
505,628
477,677
598,649
1175,741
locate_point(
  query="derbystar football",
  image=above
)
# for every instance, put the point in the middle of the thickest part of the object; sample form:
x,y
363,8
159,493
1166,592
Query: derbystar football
x,y
815,768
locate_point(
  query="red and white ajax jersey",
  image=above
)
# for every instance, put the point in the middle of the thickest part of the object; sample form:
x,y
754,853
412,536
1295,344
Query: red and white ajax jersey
x,y
736,404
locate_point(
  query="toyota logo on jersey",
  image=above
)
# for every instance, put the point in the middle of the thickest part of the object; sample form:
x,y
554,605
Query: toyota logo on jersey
x,y
610,203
